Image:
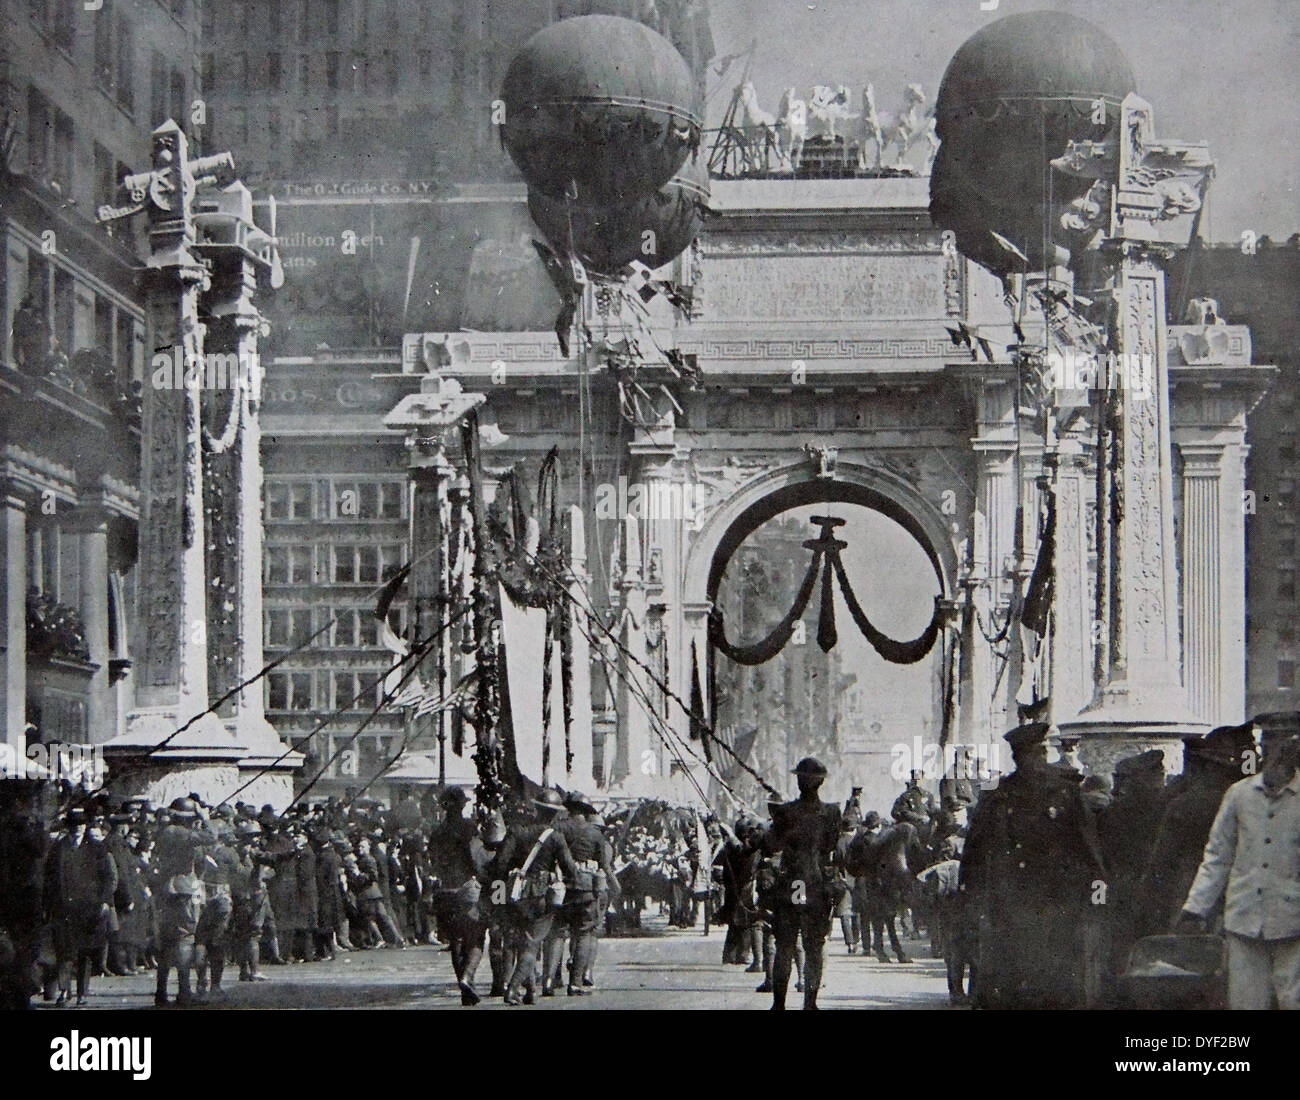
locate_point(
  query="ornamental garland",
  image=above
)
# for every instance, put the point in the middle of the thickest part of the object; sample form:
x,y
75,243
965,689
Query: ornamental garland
x,y
826,560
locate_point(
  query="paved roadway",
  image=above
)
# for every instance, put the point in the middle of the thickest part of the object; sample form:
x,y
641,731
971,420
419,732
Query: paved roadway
x,y
662,968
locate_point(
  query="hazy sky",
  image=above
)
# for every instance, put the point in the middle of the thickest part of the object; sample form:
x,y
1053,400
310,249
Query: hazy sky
x,y
1222,71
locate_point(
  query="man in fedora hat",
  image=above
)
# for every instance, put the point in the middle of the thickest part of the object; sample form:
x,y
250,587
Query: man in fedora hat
x,y
580,915
804,832
80,882
1252,861
532,856
1031,869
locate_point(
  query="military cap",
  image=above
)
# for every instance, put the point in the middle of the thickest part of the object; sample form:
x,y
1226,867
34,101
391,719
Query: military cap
x,y
852,819
1223,745
550,799
453,794
1278,723
576,800
1026,736
225,811
248,828
871,821
810,766
184,807
1149,761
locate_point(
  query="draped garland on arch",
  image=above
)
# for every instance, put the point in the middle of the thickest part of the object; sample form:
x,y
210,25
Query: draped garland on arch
x,y
826,562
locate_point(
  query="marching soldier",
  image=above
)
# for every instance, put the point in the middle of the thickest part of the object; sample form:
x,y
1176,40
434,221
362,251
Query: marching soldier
x,y
457,857
581,912
532,856
1031,869
179,900
216,866
804,832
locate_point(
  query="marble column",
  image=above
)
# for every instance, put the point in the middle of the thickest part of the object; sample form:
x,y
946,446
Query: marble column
x,y
1072,650
1214,579
90,524
13,606
635,759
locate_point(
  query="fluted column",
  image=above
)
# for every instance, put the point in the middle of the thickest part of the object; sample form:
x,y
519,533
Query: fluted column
x,y
1071,655
1213,580
582,767
13,629
90,523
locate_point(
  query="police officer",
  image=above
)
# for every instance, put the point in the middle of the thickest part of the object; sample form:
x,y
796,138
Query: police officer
x,y
532,855
593,875
804,832
1032,870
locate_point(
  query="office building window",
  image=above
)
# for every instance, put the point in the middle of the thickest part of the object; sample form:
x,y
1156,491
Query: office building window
x,y
157,89
304,21
63,27
286,500
273,18
288,564
124,348
123,85
331,121
1286,674
392,73
289,691
207,72
38,133
304,73
331,16
288,626
273,73
367,499
179,106
105,183
332,70
104,52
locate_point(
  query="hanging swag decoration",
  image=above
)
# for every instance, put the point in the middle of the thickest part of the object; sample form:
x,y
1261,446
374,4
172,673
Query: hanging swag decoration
x,y
826,557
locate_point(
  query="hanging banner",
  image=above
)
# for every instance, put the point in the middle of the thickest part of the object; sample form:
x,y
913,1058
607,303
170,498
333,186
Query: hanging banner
x,y
523,638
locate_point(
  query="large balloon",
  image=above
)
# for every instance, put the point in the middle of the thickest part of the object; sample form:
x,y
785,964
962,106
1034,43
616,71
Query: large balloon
x,y
602,103
653,230
1014,94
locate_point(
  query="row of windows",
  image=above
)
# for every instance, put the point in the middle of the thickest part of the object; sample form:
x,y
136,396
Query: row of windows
x,y
306,74
341,499
274,19
352,627
308,690
333,564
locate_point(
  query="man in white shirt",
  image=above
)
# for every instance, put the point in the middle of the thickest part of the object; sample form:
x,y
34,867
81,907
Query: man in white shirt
x,y
1252,861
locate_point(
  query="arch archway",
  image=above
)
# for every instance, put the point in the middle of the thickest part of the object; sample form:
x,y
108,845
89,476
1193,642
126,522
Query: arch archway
x,y
792,487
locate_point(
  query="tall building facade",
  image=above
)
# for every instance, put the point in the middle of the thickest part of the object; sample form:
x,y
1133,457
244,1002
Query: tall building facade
x,y
80,93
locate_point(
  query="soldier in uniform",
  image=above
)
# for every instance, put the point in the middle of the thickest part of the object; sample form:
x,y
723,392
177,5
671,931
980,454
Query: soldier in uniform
x,y
179,900
217,863
531,856
250,897
1031,869
493,904
804,832
914,804
581,913
458,855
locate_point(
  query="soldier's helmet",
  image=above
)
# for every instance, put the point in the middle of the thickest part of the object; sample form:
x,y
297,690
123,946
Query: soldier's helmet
x,y
184,808
576,800
810,766
871,821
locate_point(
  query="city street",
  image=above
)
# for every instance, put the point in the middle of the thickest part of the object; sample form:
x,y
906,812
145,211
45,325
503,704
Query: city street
x,y
660,969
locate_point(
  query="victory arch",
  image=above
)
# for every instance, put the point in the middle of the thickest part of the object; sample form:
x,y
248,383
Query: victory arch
x,y
841,351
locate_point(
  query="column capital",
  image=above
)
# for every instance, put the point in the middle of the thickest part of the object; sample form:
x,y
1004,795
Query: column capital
x,y
1203,458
